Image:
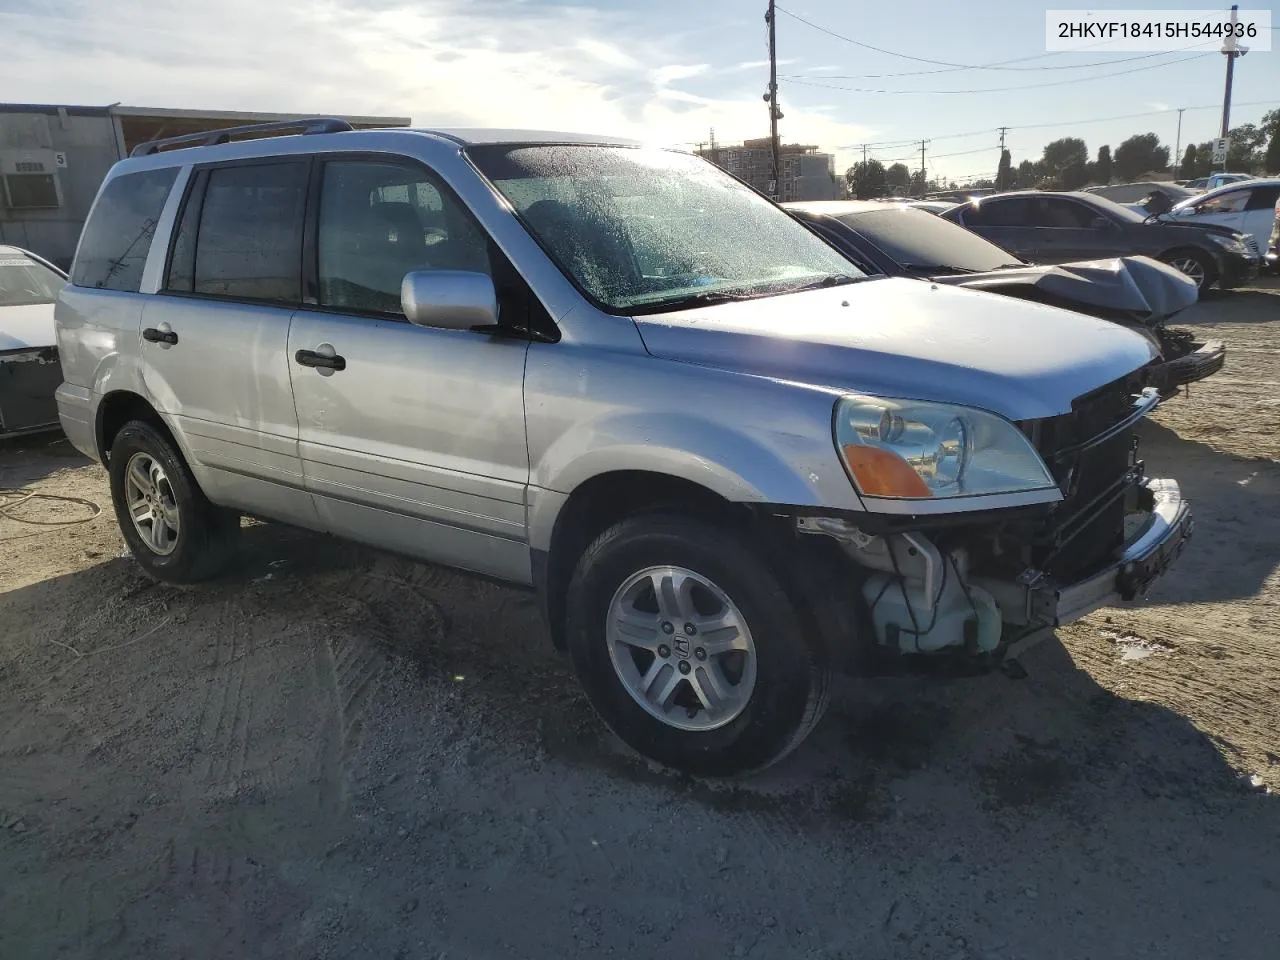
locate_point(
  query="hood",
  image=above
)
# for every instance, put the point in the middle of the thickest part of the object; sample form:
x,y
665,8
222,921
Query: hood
x,y
897,337
29,326
1190,223
1147,288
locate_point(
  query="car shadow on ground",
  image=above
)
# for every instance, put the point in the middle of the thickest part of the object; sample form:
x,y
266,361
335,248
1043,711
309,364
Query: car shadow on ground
x,y
1045,817
1230,306
33,457
1236,504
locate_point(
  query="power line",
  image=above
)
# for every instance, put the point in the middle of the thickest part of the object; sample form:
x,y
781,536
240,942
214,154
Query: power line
x,y
904,56
891,144
1022,86
1067,66
949,67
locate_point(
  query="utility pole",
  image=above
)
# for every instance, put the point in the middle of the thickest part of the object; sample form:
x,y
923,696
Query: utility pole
x,y
1177,148
924,175
999,185
864,153
771,96
1231,49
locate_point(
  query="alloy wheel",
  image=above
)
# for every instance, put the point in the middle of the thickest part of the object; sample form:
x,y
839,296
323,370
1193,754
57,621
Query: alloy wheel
x,y
681,648
152,505
1190,266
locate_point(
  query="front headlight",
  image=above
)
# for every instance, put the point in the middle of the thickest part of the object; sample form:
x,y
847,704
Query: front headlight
x,y
1230,244
915,449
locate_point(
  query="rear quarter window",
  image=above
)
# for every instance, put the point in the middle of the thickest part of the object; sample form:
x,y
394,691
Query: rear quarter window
x,y
117,238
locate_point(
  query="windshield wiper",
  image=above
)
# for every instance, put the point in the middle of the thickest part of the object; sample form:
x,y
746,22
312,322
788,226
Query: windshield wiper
x,y
934,268
834,280
702,298
705,298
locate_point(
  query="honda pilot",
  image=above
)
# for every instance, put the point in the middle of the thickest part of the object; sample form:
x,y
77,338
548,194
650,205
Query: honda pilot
x,y
729,463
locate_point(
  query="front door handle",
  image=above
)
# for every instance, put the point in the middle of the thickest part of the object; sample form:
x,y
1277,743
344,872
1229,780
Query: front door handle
x,y
152,335
310,358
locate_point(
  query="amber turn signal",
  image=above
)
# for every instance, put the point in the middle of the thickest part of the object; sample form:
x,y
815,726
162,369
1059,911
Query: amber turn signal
x,y
880,473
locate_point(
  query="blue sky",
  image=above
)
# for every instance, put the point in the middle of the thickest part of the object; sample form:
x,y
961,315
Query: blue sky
x,y
664,70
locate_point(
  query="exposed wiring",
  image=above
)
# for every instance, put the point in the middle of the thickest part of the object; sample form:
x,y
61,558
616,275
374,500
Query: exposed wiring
x,y
902,586
887,582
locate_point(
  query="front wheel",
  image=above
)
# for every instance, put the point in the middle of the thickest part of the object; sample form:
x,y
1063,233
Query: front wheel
x,y
1194,265
690,648
172,529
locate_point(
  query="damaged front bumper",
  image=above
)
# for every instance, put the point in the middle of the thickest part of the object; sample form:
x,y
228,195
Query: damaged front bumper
x,y
923,598
1038,601
1204,361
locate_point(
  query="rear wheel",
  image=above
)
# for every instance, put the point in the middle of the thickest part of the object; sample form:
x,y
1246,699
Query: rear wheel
x,y
172,529
690,648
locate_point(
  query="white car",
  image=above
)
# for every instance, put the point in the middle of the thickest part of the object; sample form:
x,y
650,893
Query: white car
x,y
1248,206
29,370
1218,180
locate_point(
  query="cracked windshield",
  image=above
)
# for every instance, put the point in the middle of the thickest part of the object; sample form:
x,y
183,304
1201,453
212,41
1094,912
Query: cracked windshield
x,y
648,228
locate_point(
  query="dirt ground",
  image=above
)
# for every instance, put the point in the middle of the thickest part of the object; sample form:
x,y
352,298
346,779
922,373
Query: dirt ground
x,y
334,753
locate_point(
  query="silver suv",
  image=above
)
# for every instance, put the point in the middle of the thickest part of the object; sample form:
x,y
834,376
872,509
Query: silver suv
x,y
728,462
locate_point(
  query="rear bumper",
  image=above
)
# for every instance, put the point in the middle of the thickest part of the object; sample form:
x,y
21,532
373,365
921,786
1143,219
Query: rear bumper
x,y
76,414
28,379
1142,561
1200,363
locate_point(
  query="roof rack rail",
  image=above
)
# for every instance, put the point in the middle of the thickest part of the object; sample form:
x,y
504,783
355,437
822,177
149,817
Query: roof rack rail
x,y
208,138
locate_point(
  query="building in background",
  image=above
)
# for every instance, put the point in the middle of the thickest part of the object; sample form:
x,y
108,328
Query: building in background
x,y
806,173
53,159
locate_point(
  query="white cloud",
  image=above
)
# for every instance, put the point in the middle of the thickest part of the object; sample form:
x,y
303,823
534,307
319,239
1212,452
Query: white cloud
x,y
442,62
669,74
757,64
606,53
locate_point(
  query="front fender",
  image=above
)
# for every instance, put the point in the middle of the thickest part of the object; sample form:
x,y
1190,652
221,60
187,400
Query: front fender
x,y
747,465
738,466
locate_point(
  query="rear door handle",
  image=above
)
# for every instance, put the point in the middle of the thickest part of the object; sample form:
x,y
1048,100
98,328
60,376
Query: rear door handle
x,y
309,358
152,335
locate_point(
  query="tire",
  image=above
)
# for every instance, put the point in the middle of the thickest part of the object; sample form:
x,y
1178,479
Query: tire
x,y
789,673
205,539
1188,261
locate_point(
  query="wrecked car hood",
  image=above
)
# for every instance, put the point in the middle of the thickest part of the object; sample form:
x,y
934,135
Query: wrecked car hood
x,y
1147,288
26,327
897,337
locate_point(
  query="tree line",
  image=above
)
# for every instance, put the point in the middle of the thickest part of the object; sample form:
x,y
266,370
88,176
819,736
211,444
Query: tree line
x,y
1065,164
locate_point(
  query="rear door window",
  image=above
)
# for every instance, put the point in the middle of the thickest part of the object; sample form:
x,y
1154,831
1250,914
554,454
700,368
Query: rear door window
x,y
1062,213
248,241
116,240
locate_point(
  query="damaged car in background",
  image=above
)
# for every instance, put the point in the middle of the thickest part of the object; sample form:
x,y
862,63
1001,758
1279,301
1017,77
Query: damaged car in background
x,y
1139,293
29,371
728,461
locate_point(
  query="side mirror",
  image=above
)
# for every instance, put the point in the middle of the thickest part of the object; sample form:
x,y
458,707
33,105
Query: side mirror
x,y
449,299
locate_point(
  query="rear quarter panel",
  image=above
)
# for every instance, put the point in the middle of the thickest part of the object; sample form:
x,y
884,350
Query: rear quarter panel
x,y
98,338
